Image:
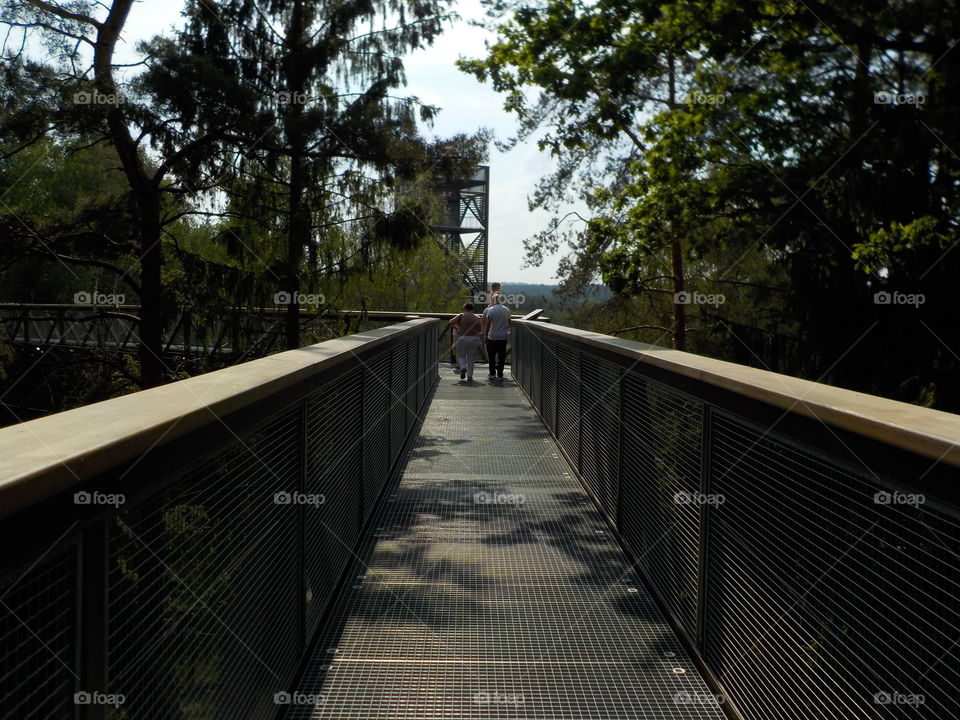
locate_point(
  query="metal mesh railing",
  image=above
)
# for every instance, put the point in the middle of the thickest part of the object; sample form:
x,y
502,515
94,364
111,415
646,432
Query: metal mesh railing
x,y
377,404
813,584
568,395
217,569
548,380
398,410
37,622
335,441
600,430
203,583
814,580
662,443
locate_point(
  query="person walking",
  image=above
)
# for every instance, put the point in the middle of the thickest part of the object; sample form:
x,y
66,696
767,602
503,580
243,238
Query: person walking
x,y
467,326
496,328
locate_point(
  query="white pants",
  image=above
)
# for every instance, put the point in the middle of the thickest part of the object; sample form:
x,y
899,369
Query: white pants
x,y
468,351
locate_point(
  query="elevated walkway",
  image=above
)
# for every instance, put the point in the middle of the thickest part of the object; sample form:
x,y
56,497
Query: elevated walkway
x,y
493,588
616,532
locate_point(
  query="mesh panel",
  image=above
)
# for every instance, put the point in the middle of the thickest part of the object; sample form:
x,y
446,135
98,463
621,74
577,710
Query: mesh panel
x,y
421,368
38,605
600,434
376,428
528,340
203,585
398,396
433,365
662,433
519,366
335,472
431,368
548,369
428,361
823,600
534,379
410,409
568,401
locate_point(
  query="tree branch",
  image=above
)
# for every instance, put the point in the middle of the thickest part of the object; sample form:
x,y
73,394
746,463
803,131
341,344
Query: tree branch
x,y
124,275
65,14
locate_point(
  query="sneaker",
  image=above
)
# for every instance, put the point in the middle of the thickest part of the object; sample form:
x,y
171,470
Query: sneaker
x,y
469,379
463,374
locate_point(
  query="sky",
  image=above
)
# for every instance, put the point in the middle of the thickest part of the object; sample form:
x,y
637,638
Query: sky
x,y
467,105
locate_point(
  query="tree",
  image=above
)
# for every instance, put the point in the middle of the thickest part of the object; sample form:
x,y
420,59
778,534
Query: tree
x,y
335,141
810,137
598,70
80,96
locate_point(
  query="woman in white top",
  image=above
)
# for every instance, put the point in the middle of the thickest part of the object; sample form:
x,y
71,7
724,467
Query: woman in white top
x,y
467,325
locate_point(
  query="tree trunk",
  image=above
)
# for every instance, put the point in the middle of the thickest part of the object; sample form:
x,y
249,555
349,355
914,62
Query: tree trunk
x,y
679,308
298,228
152,366
297,235
145,193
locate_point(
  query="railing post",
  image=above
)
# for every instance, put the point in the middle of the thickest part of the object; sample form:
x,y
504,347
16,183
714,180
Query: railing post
x,y
94,628
706,434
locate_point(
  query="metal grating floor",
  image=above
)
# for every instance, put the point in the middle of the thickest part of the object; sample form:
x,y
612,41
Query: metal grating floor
x,y
523,607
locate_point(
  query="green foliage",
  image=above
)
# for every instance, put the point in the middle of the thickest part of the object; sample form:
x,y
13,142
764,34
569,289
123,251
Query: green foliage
x,y
59,202
422,278
328,167
761,138
890,246
263,148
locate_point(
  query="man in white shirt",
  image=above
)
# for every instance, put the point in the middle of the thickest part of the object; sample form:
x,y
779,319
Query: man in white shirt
x,y
494,291
496,328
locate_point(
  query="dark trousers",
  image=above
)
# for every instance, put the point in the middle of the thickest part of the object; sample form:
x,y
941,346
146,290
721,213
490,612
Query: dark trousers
x,y
497,354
